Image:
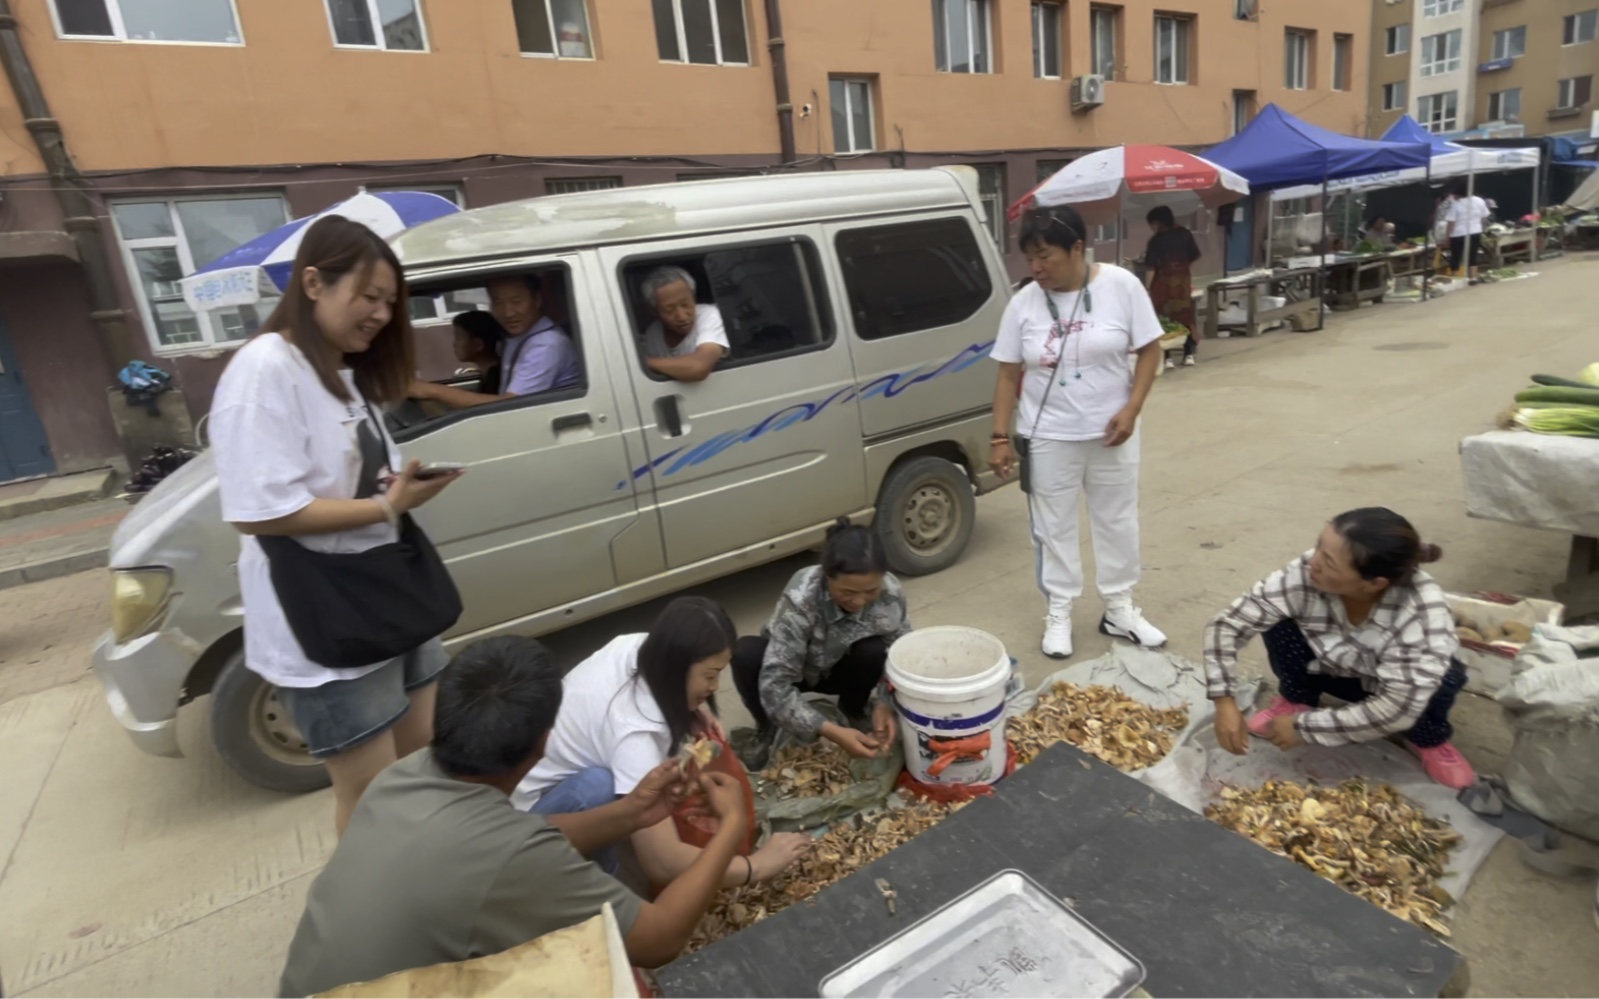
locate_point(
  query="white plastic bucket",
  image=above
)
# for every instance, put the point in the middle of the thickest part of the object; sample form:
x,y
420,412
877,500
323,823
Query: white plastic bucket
x,y
949,686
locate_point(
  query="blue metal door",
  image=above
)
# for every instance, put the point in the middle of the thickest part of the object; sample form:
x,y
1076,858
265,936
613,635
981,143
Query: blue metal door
x,y
1241,237
24,451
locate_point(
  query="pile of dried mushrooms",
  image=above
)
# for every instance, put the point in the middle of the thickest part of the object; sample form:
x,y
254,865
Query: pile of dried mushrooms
x,y
1101,721
819,769
1365,838
846,847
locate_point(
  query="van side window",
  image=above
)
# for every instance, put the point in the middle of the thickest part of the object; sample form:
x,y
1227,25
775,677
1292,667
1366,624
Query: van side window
x,y
770,297
912,276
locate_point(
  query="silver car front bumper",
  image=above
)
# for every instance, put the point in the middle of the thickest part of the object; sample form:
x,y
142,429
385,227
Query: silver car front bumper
x,y
143,682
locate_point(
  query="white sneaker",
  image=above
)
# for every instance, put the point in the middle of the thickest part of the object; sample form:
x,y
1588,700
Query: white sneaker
x,y
1058,633
1170,364
1125,620
1188,361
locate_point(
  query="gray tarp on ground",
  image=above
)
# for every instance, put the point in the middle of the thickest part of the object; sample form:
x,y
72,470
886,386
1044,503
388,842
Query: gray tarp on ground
x,y
1535,480
1552,705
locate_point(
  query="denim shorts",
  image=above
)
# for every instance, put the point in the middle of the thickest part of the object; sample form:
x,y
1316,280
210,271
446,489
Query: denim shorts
x,y
341,714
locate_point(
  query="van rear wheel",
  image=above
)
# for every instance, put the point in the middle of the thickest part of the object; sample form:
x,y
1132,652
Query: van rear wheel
x,y
925,515
255,736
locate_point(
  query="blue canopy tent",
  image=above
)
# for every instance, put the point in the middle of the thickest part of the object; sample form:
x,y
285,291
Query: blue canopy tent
x,y
1277,149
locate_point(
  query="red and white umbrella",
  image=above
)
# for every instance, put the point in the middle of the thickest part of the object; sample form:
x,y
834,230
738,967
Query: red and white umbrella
x,y
1094,183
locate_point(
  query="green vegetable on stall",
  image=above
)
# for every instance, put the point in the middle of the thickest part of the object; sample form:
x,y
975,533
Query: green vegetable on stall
x,y
1587,395
1572,421
1557,380
1590,374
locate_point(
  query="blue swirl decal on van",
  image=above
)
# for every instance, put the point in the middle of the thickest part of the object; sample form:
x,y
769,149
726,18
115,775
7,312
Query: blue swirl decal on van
x,y
888,386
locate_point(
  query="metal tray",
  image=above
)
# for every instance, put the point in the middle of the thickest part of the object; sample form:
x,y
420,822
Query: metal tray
x,y
1006,937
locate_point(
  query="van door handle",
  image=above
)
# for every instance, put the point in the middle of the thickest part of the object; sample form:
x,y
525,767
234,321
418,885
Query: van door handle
x,y
572,421
669,416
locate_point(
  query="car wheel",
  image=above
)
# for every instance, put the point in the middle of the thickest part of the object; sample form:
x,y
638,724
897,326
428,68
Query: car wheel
x,y
255,736
925,515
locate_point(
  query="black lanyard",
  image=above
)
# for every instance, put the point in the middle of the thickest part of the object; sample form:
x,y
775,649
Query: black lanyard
x,y
1060,357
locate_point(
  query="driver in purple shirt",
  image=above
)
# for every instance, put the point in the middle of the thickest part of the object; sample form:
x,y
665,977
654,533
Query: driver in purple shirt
x,y
536,355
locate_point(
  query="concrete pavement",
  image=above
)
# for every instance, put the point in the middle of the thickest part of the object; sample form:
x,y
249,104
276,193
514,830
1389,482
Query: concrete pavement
x,y
128,875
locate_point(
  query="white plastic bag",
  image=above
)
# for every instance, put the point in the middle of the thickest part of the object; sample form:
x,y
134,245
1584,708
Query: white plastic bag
x,y
1552,706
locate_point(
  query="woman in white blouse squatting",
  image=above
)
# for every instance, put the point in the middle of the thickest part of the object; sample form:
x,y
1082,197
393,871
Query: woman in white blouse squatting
x,y
1065,346
1355,619
300,452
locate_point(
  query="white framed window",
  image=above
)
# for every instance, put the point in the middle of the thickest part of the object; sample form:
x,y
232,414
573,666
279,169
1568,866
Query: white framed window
x,y
1511,43
1578,29
991,191
1243,109
1049,168
1047,22
1296,59
577,185
196,22
1505,105
1102,28
1396,41
1438,8
390,25
1440,53
963,40
1439,112
1244,10
1574,92
854,127
164,240
1394,95
1343,57
553,29
1103,232
1171,48
703,32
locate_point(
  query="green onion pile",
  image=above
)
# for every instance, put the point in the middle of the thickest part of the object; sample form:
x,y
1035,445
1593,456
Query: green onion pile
x,y
1561,406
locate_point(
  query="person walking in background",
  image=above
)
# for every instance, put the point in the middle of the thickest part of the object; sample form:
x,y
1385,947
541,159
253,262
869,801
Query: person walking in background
x,y
1354,618
302,454
1467,216
1168,263
1064,346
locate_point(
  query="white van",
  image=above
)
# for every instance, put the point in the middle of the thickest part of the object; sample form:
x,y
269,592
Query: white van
x,y
859,308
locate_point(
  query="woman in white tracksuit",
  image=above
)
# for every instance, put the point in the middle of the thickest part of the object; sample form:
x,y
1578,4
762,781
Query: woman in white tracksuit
x,y
1065,347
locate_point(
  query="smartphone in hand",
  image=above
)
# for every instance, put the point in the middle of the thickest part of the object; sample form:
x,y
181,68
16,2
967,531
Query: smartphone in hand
x,y
439,469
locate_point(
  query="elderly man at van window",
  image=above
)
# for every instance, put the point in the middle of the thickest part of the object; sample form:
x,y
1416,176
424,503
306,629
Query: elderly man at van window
x,y
536,355
687,339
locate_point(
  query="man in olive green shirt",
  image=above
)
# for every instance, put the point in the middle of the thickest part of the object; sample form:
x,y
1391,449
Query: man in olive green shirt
x,y
436,865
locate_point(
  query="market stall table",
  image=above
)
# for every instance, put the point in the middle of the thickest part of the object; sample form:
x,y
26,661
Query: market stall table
x,y
1516,246
1547,482
1302,286
1352,280
1415,261
1207,911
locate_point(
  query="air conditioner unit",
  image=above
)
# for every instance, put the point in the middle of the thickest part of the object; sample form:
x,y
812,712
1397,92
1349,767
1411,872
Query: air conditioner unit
x,y
1087,92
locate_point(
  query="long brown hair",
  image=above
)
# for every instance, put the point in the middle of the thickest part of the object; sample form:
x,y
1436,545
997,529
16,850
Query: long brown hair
x,y
337,247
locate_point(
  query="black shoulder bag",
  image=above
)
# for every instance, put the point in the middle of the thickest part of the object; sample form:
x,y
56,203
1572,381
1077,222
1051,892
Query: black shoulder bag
x,y
1022,444
356,609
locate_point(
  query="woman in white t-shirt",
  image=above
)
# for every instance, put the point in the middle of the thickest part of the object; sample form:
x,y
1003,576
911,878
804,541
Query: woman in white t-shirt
x,y
301,452
1065,346
628,708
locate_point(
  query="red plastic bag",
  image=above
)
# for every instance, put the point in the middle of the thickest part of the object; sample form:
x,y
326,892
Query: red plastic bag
x,y
696,823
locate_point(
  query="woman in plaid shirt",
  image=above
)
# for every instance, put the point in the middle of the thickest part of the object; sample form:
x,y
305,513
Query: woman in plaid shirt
x,y
1354,618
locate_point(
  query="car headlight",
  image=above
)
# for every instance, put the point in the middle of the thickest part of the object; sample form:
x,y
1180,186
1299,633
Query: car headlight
x,y
138,601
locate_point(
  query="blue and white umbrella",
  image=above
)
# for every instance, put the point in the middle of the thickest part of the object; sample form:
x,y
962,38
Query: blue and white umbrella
x,y
262,267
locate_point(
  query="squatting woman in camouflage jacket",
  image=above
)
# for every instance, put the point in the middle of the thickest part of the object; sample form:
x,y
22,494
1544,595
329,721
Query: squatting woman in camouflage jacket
x,y
829,634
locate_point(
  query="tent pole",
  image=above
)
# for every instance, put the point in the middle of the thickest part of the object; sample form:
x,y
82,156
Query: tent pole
x,y
1536,208
1471,192
1431,253
1321,315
